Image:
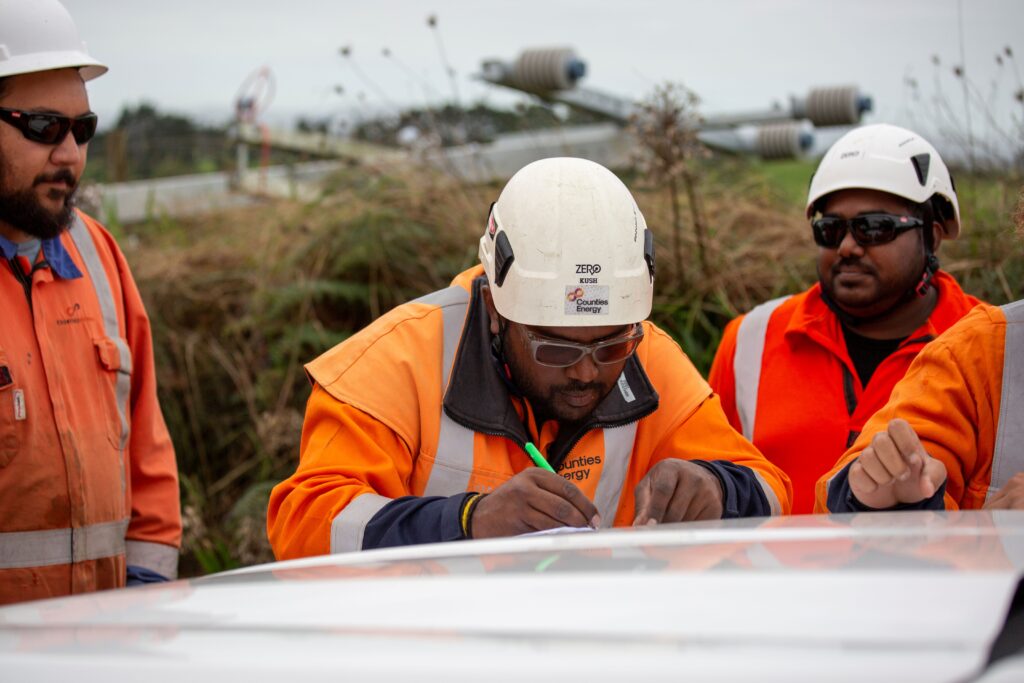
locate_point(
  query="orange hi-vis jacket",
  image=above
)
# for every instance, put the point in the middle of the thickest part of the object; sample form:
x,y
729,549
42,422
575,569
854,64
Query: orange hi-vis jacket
x,y
88,482
414,405
787,381
964,396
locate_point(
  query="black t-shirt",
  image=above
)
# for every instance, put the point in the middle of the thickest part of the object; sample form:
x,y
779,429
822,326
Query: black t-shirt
x,y
866,353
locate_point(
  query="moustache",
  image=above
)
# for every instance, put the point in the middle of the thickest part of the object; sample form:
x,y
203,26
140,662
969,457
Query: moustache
x,y
852,264
62,176
578,387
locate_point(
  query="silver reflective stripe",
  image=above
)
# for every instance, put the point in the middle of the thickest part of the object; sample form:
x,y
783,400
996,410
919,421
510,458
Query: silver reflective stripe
x,y
349,524
453,458
769,493
62,546
1008,456
618,450
160,558
747,362
452,302
108,307
453,462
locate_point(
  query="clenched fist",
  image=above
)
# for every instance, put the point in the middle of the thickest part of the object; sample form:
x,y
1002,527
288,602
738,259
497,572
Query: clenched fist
x,y
895,469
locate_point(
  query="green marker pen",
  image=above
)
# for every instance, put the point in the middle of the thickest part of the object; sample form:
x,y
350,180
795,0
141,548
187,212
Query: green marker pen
x,y
537,458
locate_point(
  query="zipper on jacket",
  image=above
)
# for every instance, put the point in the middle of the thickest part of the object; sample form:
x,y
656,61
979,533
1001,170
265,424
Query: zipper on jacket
x,y
589,426
571,444
849,390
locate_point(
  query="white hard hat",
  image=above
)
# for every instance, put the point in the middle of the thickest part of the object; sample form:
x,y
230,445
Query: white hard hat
x,y
39,35
889,159
567,246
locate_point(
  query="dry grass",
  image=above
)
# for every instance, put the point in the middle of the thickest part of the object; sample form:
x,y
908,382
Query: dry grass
x,y
240,300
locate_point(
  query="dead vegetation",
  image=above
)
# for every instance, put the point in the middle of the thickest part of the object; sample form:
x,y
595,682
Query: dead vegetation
x,y
240,300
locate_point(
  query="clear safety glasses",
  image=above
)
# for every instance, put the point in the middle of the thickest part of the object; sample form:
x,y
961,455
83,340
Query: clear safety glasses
x,y
561,354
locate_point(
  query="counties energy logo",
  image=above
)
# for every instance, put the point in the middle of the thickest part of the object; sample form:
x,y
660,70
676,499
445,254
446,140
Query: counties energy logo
x,y
586,300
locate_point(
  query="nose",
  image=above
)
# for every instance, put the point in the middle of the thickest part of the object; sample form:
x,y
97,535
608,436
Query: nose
x,y
849,247
585,370
68,152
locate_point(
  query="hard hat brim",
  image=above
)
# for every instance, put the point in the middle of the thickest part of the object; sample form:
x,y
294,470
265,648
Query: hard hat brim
x,y
88,67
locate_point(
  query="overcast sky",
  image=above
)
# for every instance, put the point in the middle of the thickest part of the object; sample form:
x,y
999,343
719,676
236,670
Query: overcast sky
x,y
192,55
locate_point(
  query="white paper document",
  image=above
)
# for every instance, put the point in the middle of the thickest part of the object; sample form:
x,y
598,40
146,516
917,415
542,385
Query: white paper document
x,y
560,530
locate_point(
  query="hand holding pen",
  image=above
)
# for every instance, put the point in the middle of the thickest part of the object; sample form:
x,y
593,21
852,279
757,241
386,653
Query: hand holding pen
x,y
533,500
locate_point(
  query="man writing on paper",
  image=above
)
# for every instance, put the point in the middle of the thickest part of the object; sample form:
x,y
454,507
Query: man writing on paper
x,y
417,427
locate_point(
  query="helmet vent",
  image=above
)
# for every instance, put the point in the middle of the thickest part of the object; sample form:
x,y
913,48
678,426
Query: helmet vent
x,y
503,258
921,163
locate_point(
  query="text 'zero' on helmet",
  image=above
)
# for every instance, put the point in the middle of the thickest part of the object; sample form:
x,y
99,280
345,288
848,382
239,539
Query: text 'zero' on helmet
x,y
567,246
39,35
888,159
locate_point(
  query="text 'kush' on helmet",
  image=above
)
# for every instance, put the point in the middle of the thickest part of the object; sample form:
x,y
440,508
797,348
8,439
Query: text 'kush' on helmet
x,y
39,35
567,246
889,159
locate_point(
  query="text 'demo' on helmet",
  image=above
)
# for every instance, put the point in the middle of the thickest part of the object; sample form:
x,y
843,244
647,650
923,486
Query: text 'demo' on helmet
x,y
39,35
567,246
888,159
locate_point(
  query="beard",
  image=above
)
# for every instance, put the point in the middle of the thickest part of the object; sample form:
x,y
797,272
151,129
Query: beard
x,y
22,210
545,400
881,296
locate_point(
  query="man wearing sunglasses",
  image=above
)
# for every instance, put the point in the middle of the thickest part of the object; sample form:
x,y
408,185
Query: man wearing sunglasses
x,y
952,434
437,422
88,482
801,374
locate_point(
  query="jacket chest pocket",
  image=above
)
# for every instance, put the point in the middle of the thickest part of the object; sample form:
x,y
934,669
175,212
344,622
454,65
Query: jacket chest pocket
x,y
12,413
115,375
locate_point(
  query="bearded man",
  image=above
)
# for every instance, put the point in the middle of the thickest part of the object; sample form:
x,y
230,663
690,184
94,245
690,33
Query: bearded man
x,y
88,482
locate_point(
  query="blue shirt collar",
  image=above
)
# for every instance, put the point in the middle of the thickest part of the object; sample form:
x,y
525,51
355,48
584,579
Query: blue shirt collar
x,y
9,248
54,253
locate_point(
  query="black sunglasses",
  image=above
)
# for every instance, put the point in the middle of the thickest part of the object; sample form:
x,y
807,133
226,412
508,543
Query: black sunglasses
x,y
50,129
868,229
562,354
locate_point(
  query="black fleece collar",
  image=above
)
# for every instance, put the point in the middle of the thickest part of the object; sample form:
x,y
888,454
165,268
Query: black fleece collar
x,y
478,397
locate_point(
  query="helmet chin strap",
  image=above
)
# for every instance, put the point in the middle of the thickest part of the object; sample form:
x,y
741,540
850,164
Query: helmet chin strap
x,y
931,266
920,290
498,356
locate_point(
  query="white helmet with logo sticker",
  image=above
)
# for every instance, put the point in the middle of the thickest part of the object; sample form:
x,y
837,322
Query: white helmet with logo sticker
x,y
567,246
888,159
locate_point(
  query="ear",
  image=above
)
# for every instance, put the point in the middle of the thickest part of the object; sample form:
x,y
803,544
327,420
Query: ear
x,y
492,312
938,232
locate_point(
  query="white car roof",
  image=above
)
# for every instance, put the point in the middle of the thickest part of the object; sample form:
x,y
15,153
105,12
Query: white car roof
x,y
874,596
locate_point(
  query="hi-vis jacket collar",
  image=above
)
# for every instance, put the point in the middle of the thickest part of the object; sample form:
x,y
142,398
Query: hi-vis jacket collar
x,y
814,319
478,398
55,254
